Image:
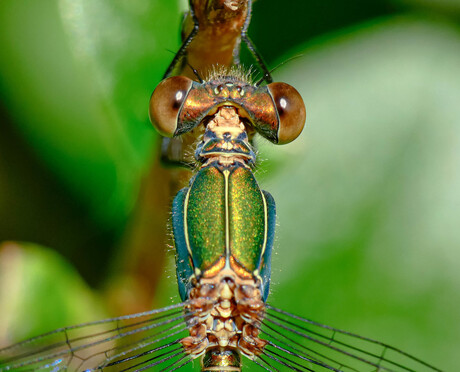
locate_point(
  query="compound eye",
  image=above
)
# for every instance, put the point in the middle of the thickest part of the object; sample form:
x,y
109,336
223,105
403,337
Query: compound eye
x,y
291,111
166,102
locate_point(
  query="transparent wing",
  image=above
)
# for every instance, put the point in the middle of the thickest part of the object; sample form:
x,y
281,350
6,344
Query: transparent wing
x,y
300,344
150,340
134,342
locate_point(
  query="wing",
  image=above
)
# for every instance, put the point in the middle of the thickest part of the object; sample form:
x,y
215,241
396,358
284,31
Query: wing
x,y
134,342
142,341
304,345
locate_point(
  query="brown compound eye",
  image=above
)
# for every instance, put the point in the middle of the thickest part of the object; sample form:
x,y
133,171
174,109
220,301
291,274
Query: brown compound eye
x,y
166,102
291,111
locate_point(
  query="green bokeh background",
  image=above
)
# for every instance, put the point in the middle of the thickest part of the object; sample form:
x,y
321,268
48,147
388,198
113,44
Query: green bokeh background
x,y
368,197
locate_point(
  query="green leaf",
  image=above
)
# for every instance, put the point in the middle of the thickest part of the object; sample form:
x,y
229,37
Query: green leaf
x,y
39,292
368,196
76,77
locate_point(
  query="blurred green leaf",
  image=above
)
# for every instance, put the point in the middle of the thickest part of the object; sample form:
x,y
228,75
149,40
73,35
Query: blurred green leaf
x,y
39,291
368,196
76,76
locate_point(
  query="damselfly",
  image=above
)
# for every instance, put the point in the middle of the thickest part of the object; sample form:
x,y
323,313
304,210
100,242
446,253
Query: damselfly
x,y
223,228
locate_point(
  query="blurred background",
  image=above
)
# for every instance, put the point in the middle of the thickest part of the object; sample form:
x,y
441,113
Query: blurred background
x,y
368,198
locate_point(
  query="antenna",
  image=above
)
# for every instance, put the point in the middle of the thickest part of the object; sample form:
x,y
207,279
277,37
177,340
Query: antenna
x,y
267,76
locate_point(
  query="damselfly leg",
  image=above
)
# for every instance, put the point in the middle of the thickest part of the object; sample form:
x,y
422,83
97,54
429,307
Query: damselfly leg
x,y
212,34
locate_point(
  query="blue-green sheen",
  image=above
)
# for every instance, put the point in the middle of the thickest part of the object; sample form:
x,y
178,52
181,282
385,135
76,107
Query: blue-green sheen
x,y
202,231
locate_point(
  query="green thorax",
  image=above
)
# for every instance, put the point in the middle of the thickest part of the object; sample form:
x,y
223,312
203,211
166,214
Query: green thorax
x,y
224,222
225,210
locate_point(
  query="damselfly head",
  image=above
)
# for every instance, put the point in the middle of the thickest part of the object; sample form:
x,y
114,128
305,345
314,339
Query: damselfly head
x,y
275,111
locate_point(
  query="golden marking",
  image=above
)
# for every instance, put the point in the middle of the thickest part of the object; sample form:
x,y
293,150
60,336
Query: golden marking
x,y
227,218
215,269
187,240
238,269
264,247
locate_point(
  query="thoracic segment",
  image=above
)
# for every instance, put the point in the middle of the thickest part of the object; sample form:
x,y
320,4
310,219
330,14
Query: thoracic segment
x,y
226,316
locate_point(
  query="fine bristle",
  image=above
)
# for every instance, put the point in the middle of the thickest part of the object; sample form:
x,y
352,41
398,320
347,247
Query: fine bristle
x,y
238,72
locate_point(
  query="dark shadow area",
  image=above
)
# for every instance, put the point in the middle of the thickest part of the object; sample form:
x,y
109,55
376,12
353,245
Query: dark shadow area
x,y
273,35
36,207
